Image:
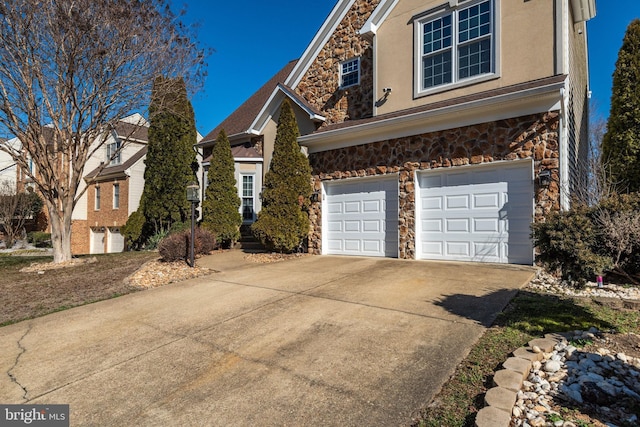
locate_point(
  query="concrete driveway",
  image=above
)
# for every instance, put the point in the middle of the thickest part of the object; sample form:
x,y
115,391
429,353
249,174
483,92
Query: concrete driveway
x,y
314,341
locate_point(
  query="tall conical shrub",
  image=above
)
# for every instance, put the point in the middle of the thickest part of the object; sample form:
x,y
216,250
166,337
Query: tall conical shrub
x,y
221,206
283,222
171,162
621,142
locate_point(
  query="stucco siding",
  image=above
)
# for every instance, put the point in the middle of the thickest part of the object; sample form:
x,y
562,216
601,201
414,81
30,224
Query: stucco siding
x,y
524,42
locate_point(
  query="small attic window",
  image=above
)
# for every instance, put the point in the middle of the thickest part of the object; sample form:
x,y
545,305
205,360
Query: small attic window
x,y
350,73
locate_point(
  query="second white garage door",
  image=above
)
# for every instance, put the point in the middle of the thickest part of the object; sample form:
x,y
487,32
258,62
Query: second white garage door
x,y
480,213
361,217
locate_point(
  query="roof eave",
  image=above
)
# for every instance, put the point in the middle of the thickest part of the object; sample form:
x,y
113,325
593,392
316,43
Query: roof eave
x,y
528,101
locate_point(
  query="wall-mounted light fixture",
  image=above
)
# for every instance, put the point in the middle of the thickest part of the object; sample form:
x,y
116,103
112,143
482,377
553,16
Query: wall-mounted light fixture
x,y
315,197
544,178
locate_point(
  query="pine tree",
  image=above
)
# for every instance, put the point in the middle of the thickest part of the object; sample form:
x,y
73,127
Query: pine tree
x,y
221,206
621,143
171,161
283,223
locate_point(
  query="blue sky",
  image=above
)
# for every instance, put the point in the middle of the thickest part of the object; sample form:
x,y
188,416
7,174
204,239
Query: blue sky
x,y
253,39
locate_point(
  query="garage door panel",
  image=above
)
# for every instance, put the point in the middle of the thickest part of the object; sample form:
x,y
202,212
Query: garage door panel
x,y
371,246
476,214
432,248
432,203
459,225
486,200
486,225
432,225
371,206
352,226
352,207
334,208
335,226
368,218
487,249
458,249
372,226
352,245
457,202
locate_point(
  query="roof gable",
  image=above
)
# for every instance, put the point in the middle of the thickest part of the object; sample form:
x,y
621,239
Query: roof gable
x,y
273,104
102,172
320,39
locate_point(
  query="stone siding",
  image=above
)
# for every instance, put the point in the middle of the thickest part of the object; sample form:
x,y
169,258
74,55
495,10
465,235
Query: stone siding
x,y
320,86
534,137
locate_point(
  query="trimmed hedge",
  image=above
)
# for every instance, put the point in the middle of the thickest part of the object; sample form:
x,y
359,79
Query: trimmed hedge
x,y
176,246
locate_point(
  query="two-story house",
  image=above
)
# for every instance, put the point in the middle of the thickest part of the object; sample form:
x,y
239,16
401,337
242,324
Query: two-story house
x,y
437,129
114,186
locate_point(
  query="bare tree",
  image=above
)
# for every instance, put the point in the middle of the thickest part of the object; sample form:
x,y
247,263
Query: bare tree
x,y
69,69
15,210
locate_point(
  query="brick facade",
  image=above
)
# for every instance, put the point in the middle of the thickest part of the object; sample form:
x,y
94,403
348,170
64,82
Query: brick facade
x,y
104,218
530,137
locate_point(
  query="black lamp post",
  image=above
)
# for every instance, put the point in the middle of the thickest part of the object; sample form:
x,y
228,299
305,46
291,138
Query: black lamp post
x,y
192,196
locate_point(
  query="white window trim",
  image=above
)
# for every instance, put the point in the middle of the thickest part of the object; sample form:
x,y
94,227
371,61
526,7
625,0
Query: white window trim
x,y
357,59
240,194
454,8
116,201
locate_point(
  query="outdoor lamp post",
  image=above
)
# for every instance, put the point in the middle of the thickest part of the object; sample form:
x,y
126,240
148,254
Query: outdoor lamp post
x,y
192,196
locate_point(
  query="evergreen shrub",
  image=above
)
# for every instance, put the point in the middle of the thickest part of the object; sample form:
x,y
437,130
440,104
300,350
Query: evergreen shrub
x,y
283,222
221,206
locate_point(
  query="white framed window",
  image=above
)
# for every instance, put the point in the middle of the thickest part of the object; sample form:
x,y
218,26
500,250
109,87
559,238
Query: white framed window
x,y
455,46
97,200
116,196
114,155
350,73
247,194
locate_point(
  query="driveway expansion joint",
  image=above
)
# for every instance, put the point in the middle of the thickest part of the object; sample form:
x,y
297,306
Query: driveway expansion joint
x,y
22,350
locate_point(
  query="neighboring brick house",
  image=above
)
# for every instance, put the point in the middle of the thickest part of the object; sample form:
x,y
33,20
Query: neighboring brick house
x,y
113,192
113,185
437,129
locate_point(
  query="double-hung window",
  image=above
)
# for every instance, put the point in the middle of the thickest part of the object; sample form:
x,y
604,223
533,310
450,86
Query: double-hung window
x,y
455,45
113,153
350,73
116,196
97,200
248,210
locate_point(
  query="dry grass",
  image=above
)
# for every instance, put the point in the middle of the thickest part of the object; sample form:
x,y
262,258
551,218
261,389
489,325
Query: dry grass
x,y
32,294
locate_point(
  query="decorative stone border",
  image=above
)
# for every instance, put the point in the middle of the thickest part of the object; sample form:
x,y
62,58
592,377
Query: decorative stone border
x,y
500,399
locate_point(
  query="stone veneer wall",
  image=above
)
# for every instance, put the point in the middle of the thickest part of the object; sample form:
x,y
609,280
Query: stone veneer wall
x,y
534,136
320,86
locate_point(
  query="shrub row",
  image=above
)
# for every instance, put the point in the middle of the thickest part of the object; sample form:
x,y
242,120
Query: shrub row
x,y
588,241
176,246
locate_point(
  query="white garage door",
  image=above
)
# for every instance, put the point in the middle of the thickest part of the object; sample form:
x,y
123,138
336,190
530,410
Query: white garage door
x,y
361,217
116,241
478,213
97,242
